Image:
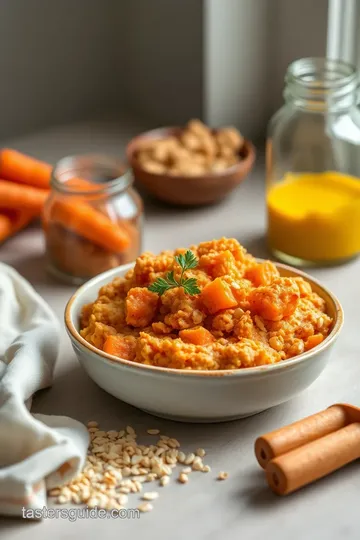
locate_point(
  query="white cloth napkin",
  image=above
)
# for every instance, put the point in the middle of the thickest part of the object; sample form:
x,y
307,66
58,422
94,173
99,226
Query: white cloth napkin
x,y
37,452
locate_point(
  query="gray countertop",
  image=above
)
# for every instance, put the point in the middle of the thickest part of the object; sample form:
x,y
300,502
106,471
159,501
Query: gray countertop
x,y
242,506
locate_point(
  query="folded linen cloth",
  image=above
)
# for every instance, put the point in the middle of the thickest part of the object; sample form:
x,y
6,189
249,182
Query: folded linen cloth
x,y
37,452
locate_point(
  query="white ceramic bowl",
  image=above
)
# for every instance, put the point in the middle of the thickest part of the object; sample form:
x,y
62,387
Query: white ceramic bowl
x,y
199,396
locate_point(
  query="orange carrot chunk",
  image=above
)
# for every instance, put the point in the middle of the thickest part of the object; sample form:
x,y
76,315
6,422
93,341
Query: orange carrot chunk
x,y
24,169
197,335
313,341
276,301
262,273
84,220
120,346
141,305
217,295
16,197
12,222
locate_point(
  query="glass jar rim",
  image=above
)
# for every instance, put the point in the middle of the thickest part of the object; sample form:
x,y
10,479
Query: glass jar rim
x,y
71,167
300,70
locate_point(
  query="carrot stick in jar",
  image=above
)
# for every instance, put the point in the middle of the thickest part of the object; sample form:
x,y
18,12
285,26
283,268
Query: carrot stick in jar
x,y
84,220
314,460
295,435
75,215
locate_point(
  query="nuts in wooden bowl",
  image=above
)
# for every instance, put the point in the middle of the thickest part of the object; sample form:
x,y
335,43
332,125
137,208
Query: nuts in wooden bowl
x,y
194,151
190,166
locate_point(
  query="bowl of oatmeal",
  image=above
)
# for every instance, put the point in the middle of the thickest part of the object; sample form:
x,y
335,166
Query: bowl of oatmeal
x,y
206,333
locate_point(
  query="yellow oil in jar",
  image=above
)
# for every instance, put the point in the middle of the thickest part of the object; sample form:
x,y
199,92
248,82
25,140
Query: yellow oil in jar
x,y
315,217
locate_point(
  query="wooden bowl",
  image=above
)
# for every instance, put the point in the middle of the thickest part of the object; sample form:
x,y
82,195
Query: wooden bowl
x,y
188,190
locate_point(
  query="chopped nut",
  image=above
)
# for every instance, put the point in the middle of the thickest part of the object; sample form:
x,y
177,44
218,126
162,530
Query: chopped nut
x,y
195,151
92,424
187,470
222,475
200,452
206,468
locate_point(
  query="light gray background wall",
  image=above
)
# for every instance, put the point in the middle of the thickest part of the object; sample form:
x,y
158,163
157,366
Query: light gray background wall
x,y
248,47
237,34
59,61
298,30
168,60
163,58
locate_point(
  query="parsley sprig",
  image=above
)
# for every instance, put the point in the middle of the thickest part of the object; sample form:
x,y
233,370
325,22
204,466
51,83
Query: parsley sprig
x,y
186,262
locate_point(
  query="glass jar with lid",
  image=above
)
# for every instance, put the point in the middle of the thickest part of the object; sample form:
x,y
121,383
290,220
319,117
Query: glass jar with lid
x,y
313,165
92,219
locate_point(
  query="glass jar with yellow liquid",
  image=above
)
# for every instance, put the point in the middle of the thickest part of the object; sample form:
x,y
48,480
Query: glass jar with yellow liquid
x,y
313,165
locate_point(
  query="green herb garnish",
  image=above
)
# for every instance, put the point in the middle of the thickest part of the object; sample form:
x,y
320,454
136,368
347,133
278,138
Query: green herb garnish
x,y
186,262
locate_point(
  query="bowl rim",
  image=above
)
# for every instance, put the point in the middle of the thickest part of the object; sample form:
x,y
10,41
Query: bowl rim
x,y
249,159
241,372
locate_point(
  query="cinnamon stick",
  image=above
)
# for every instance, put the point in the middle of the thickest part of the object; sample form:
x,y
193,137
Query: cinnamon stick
x,y
299,433
314,460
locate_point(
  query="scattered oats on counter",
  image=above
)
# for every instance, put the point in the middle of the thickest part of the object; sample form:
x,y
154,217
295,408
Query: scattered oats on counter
x,y
183,478
145,507
164,480
150,495
118,466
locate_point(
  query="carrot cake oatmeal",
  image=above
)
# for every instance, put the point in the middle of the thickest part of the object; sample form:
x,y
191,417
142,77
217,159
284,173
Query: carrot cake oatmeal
x,y
210,307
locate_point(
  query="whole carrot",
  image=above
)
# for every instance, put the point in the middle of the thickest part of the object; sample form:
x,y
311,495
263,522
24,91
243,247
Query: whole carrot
x,y
16,197
24,169
13,222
